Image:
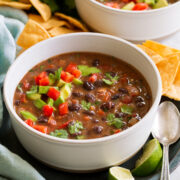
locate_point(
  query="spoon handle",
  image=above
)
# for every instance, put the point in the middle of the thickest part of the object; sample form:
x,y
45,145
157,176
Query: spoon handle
x,y
165,165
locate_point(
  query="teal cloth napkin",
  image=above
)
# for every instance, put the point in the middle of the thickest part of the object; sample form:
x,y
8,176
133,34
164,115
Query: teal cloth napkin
x,y
11,24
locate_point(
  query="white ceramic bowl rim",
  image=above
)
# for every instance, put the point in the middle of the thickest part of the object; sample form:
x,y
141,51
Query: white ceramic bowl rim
x,y
107,8
10,107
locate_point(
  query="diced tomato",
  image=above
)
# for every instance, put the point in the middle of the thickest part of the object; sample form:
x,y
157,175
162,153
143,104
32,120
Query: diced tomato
x,y
64,125
93,78
53,93
47,110
132,90
76,73
42,79
29,122
101,112
87,118
63,108
71,67
117,131
126,99
23,98
112,4
140,7
41,128
26,84
67,77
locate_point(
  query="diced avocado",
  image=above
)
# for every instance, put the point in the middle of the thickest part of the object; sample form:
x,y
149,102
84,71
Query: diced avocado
x,y
39,103
61,83
140,1
33,96
80,137
45,89
160,4
129,6
50,102
52,79
150,2
60,100
77,81
65,91
28,115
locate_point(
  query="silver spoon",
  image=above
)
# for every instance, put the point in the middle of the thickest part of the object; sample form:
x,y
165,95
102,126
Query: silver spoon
x,y
166,129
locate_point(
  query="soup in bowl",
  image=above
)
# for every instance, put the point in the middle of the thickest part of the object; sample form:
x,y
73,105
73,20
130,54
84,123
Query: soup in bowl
x,y
82,101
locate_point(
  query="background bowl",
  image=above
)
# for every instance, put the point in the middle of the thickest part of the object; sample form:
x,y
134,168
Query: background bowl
x,y
83,155
130,25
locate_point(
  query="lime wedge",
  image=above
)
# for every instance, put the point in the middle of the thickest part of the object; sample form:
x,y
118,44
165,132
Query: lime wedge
x,y
148,162
119,173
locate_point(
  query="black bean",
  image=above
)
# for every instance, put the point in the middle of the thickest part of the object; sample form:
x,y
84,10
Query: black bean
x,y
74,107
91,113
17,102
95,120
140,104
116,96
120,114
50,71
95,62
77,94
90,97
107,106
123,90
42,119
88,86
139,99
113,74
98,129
99,83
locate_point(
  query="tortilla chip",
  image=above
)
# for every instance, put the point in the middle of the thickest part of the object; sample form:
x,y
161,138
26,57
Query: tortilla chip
x,y
32,34
168,70
153,55
72,21
60,30
17,5
51,23
43,9
161,49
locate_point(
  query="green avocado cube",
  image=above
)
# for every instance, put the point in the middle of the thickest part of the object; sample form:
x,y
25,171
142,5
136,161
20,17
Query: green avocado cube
x,y
39,103
65,91
160,4
60,100
129,6
77,81
28,115
150,2
61,83
33,96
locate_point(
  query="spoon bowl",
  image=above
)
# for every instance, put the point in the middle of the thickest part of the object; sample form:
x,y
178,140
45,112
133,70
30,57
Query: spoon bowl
x,y
166,129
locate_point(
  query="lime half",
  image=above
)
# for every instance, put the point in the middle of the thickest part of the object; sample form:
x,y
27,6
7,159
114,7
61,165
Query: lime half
x,y
119,173
149,160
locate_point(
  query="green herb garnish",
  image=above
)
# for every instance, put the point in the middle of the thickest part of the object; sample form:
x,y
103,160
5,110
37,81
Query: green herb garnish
x,y
97,103
86,70
112,120
76,127
85,105
126,109
60,133
33,90
58,73
108,82
111,80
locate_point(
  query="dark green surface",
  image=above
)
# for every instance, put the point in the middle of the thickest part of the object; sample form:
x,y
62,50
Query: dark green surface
x,y
9,139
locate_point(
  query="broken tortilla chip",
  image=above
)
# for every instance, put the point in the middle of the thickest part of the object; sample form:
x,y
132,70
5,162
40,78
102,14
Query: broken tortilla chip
x,y
168,70
43,9
17,5
51,23
161,49
60,30
153,55
72,21
32,34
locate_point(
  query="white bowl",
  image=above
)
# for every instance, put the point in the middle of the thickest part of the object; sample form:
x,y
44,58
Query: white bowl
x,y
130,25
83,155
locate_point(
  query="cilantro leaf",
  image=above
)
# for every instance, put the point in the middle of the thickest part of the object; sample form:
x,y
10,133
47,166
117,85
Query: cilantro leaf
x,y
85,105
108,82
86,70
60,133
76,127
126,109
58,73
112,120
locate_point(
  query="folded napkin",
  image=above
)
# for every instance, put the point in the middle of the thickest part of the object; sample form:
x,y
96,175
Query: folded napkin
x,y
11,24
